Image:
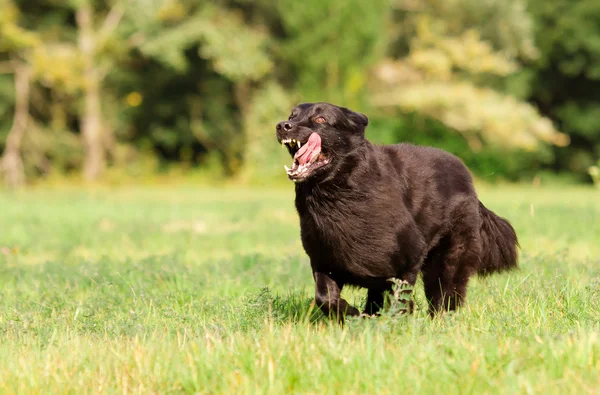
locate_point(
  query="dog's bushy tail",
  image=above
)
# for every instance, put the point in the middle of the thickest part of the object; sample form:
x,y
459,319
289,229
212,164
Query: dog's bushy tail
x,y
499,242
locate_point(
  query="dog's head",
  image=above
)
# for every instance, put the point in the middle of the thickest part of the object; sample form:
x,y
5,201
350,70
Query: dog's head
x,y
318,136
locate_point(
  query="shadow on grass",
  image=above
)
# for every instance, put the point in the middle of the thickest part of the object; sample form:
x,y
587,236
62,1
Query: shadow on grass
x,y
298,307
293,307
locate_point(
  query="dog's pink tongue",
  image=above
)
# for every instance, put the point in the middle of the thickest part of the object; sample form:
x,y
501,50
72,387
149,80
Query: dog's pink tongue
x,y
310,150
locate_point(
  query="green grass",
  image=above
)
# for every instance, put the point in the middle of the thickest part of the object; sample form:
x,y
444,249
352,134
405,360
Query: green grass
x,y
206,290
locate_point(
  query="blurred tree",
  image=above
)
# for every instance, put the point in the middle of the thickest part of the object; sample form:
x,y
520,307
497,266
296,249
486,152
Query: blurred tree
x,y
567,76
15,43
218,55
90,44
70,62
322,51
594,172
11,161
133,83
326,48
445,68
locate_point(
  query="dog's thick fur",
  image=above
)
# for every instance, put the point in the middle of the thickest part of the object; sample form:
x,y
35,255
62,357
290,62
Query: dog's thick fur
x,y
377,212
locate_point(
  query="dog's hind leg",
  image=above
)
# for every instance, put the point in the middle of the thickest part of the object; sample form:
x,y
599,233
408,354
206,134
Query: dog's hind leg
x,y
449,266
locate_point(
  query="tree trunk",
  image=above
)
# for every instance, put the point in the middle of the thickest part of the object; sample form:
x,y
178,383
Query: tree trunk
x,y
91,121
12,163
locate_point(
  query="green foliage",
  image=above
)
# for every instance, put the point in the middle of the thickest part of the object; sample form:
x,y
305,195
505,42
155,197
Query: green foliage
x,y
506,25
451,66
13,38
205,290
58,67
478,114
509,85
567,75
328,47
235,49
489,162
7,97
595,174
266,107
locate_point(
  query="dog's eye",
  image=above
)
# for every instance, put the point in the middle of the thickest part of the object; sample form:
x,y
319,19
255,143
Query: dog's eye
x,y
319,120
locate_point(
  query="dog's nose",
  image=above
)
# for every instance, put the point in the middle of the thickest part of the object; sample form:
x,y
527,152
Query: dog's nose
x,y
285,125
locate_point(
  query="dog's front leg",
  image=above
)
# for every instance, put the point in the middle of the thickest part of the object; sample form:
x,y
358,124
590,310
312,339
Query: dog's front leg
x,y
327,297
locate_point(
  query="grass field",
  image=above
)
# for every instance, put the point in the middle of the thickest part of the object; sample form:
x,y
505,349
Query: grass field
x,y
209,291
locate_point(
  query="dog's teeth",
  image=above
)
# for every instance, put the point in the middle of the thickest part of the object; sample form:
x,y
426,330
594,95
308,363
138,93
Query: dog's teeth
x,y
299,144
287,169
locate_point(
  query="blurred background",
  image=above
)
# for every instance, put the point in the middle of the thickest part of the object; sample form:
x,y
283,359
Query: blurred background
x,y
138,90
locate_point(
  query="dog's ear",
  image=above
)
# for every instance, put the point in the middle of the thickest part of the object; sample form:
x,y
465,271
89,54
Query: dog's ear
x,y
357,118
361,119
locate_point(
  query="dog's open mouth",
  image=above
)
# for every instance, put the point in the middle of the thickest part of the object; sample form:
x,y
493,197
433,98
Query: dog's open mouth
x,y
307,157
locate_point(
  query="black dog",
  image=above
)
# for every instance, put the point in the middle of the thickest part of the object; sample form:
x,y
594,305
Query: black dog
x,y
369,213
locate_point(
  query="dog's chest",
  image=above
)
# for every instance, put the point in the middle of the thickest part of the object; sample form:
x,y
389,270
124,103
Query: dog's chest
x,y
346,236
